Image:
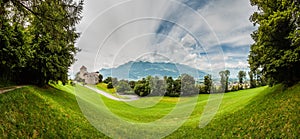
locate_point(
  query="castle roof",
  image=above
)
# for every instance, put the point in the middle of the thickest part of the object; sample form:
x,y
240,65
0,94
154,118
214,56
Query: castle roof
x,y
83,68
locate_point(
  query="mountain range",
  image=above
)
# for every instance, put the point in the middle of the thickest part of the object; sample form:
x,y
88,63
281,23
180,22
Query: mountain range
x,y
135,70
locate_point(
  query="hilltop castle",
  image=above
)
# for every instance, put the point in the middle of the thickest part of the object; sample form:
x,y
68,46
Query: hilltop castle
x,y
88,78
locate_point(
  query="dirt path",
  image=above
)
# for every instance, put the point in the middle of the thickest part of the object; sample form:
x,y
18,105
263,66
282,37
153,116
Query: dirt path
x,y
11,88
129,97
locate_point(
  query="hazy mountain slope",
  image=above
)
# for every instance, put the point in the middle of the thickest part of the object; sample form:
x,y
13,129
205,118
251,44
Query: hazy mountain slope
x,y
137,70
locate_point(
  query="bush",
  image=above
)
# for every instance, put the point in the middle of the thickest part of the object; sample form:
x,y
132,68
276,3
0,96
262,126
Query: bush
x,y
142,90
202,89
110,85
123,87
107,80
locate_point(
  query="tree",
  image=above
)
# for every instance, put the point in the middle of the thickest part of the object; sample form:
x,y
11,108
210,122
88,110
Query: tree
x,y
252,81
224,80
276,49
169,86
110,85
207,83
188,85
177,87
157,86
114,81
132,84
241,76
141,89
100,78
123,87
107,80
37,40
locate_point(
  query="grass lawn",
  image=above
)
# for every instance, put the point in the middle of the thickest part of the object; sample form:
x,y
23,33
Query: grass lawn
x,y
32,112
265,112
103,87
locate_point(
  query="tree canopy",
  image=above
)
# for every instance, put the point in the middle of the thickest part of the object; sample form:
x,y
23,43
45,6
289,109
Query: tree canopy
x,y
277,40
37,39
207,83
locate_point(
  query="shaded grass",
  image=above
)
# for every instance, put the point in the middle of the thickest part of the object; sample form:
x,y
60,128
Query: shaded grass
x,y
33,112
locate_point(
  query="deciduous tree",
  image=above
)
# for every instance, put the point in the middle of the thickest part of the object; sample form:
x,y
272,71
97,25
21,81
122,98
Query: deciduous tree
x,y
277,40
37,39
241,76
224,80
207,83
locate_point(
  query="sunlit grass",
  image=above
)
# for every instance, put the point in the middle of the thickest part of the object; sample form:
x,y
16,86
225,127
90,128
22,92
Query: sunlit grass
x,y
263,112
103,87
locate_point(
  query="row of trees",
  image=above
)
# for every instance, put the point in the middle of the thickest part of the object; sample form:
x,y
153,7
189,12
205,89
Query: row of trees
x,y
183,85
154,86
37,40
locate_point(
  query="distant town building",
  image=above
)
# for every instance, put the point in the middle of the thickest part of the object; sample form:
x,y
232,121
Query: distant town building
x,y
88,78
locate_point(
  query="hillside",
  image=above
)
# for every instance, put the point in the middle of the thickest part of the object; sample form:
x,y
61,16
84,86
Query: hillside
x,y
272,113
54,112
32,112
135,70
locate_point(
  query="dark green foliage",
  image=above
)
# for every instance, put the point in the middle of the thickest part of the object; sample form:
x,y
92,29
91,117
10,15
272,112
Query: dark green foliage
x,y
100,78
241,76
110,85
207,84
201,89
177,88
37,40
276,49
169,86
183,85
252,81
131,84
142,89
173,87
107,80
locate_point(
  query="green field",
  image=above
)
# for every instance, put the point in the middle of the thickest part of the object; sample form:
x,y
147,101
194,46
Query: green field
x,y
103,87
66,111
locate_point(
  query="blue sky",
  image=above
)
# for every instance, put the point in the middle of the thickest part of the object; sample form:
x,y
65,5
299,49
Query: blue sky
x,y
206,34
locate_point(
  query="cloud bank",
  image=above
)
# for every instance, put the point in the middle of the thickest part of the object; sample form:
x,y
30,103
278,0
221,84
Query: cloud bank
x,y
209,35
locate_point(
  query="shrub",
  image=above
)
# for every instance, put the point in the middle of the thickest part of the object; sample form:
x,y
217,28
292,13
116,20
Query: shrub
x,y
110,85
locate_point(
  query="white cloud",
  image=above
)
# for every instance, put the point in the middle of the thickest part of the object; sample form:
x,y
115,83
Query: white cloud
x,y
134,40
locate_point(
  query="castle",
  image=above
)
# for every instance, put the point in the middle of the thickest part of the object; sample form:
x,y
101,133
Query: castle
x,y
89,78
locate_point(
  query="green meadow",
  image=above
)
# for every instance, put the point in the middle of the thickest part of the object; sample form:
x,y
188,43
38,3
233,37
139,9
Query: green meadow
x,y
77,112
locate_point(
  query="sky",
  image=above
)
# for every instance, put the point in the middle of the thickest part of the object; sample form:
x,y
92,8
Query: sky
x,y
210,35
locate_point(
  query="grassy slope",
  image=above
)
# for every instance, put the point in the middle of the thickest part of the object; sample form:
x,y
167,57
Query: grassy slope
x,y
259,112
34,112
273,113
103,87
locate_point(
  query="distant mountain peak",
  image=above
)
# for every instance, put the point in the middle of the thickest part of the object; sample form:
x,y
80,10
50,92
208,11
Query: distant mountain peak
x,y
134,70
